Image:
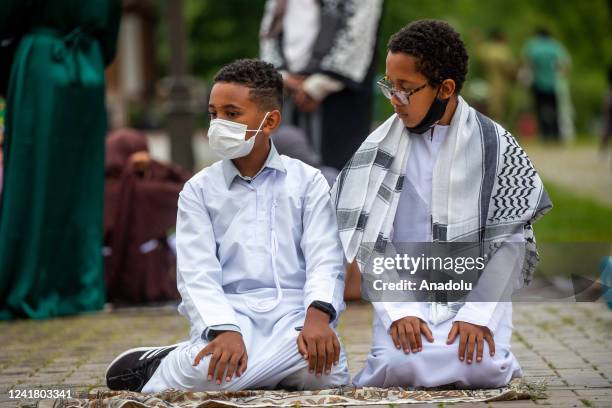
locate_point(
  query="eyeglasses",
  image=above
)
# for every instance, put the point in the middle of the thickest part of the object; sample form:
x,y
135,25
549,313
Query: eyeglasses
x,y
403,96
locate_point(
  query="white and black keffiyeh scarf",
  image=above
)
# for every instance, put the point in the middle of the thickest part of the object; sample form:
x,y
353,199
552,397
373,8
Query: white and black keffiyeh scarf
x,y
485,189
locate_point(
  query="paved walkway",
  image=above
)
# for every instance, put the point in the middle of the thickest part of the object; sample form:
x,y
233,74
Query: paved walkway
x,y
580,169
568,345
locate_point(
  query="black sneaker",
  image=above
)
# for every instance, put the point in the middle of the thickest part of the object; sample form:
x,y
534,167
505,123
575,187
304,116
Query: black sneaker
x,y
132,369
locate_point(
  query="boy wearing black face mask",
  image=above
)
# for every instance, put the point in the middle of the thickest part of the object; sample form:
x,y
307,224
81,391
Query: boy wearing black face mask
x,y
421,86
259,262
439,171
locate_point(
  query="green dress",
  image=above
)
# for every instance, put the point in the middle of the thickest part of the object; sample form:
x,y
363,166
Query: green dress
x,y
52,200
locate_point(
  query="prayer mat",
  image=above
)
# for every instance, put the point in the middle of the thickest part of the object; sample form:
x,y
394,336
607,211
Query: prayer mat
x,y
344,396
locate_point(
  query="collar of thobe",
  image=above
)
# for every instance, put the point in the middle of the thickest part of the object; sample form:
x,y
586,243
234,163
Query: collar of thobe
x,y
273,161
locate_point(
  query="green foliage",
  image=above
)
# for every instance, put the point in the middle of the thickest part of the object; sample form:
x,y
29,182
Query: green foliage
x,y
573,219
221,32
574,236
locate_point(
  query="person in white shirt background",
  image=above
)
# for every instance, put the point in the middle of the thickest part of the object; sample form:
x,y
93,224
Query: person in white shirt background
x,y
259,261
326,51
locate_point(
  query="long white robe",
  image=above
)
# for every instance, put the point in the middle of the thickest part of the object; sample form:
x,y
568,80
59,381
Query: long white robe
x,y
273,358
438,363
246,246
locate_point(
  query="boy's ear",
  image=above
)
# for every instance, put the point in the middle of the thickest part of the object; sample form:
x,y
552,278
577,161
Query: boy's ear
x,y
447,89
273,121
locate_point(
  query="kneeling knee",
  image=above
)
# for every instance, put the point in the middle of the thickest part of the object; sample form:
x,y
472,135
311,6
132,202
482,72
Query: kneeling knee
x,y
397,361
489,373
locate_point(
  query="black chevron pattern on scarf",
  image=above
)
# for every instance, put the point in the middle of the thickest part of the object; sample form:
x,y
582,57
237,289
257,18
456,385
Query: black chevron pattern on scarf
x,y
516,181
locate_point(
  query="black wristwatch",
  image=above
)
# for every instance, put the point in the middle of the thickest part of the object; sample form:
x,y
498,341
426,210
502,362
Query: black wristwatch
x,y
324,307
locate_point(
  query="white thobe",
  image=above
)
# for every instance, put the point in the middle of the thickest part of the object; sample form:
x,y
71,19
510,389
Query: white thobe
x,y
438,363
252,255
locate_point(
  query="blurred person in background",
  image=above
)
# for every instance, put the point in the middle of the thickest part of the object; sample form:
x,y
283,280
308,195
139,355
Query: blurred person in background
x,y
325,50
500,69
51,211
549,62
140,208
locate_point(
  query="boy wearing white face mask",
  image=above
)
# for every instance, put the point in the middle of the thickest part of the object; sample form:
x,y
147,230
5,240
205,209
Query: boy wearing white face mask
x,y
259,261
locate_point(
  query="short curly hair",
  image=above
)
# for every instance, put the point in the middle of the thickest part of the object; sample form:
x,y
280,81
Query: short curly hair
x,y
440,52
264,81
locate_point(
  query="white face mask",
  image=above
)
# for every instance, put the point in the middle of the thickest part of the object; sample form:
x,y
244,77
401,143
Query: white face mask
x,y
228,139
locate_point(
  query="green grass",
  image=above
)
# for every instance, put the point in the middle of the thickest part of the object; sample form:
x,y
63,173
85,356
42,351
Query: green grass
x,y
574,237
573,219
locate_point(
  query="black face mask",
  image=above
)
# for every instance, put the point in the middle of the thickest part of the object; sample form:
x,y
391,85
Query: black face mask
x,y
433,115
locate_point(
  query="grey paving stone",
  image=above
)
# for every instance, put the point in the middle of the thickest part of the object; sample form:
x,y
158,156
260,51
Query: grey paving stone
x,y
74,352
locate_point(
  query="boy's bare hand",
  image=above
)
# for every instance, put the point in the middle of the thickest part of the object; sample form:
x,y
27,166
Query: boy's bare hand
x,y
318,343
471,335
406,334
228,351
305,102
293,82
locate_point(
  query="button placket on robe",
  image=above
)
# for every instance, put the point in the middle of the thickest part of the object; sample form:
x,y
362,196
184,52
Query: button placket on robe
x,y
259,208
250,192
260,225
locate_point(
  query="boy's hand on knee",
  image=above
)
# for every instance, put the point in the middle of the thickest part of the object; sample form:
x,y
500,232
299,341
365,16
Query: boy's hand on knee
x,y
228,351
318,343
406,334
470,336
